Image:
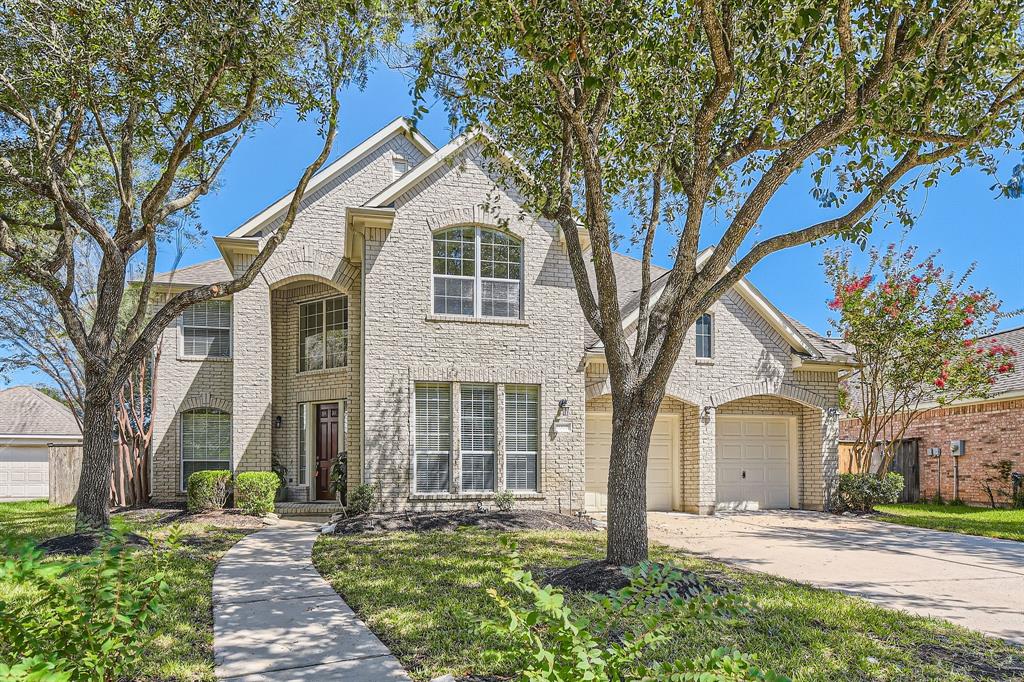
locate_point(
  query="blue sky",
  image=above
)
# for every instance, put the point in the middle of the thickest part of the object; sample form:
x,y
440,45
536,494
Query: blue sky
x,y
960,216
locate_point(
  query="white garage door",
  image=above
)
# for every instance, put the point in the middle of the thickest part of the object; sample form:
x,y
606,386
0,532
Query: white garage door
x,y
659,463
753,466
24,472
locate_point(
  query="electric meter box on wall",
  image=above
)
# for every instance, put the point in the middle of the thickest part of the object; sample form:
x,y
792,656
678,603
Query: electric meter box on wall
x,y
957,447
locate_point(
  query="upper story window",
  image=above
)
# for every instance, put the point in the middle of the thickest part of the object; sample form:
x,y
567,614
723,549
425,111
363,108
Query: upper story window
x,y
477,272
705,335
323,334
206,330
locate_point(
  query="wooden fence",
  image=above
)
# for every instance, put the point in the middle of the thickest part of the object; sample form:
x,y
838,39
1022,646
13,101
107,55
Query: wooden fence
x,y
65,469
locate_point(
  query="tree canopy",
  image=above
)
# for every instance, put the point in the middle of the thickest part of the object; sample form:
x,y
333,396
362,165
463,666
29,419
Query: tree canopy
x,y
688,110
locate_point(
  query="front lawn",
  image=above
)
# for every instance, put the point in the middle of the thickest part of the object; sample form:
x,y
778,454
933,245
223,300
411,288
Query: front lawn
x,y
183,646
957,518
424,593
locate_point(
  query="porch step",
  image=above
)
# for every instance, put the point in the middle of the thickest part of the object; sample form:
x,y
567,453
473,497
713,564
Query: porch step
x,y
321,508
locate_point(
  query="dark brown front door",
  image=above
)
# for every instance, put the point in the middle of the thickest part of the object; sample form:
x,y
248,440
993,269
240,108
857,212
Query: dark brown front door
x,y
326,448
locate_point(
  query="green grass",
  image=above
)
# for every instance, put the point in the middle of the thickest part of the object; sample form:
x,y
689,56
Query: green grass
x,y
182,648
423,594
957,518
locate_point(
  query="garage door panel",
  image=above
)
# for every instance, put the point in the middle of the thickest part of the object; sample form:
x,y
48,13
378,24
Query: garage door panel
x,y
660,476
24,472
752,461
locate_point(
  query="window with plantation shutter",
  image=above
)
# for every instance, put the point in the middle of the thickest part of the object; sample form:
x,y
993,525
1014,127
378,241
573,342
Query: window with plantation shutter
x,y
477,424
205,442
206,330
521,437
433,437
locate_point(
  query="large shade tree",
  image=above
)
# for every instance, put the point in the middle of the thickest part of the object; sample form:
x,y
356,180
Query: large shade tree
x,y
115,118
627,118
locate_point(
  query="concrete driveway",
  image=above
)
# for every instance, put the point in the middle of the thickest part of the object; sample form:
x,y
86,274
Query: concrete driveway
x,y
972,581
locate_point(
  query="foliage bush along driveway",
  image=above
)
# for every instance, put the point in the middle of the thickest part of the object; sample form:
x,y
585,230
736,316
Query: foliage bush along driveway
x,y
182,648
424,595
957,518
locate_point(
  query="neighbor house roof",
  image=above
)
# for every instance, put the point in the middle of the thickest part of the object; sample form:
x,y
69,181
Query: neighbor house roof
x,y
25,411
207,272
1012,381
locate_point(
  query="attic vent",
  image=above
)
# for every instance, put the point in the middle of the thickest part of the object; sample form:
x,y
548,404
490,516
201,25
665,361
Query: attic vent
x,y
400,166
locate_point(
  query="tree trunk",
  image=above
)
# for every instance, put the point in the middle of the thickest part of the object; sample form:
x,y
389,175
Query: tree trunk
x,y
632,424
97,461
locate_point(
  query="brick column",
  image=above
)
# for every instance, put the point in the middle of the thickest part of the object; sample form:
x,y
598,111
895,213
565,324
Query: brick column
x,y
499,438
819,433
699,466
455,484
251,420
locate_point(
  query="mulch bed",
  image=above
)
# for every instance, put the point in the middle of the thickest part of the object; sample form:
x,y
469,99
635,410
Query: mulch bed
x,y
165,516
601,577
80,544
453,520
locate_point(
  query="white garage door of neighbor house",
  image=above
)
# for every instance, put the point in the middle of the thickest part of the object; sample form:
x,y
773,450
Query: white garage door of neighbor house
x,y
753,467
659,463
24,472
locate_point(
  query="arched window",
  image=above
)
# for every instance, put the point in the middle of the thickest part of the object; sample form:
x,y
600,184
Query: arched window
x,y
477,272
205,442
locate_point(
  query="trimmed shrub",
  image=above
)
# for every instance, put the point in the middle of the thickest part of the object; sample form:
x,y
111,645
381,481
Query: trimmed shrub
x,y
861,492
504,501
360,500
254,492
208,489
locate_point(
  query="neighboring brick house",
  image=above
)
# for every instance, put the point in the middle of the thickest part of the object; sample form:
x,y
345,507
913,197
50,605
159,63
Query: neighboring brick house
x,y
992,428
417,320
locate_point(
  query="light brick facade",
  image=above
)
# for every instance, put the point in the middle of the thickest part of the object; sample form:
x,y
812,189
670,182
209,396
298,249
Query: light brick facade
x,y
751,373
395,342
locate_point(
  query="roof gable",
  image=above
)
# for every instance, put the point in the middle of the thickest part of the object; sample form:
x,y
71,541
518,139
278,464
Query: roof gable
x,y
400,126
799,337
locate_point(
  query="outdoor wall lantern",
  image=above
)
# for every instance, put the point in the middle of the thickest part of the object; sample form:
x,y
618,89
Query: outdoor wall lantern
x,y
277,421
563,407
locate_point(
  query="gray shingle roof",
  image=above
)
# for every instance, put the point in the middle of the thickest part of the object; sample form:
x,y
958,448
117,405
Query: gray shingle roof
x,y
27,411
1014,379
207,272
628,273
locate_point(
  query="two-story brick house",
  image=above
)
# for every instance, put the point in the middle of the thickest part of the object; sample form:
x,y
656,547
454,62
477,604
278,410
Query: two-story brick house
x,y
417,320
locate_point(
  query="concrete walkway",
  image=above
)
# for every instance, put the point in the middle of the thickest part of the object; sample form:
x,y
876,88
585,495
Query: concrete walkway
x,y
276,620
972,581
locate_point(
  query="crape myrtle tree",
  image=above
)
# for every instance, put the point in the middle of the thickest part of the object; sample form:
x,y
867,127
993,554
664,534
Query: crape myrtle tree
x,y
115,118
683,115
915,330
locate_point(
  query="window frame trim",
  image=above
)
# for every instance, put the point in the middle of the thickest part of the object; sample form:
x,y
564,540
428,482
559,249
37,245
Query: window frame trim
x,y
477,277
182,355
181,443
323,331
